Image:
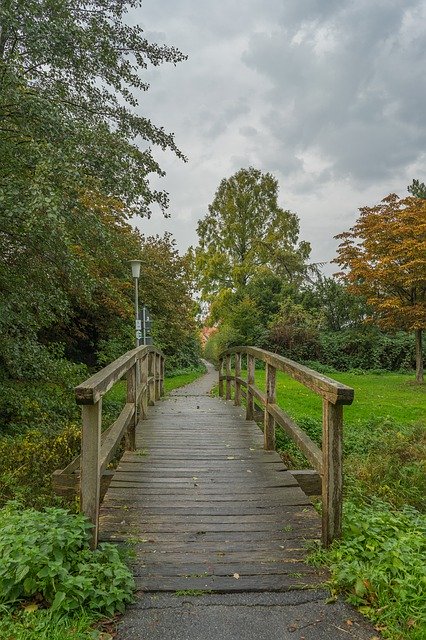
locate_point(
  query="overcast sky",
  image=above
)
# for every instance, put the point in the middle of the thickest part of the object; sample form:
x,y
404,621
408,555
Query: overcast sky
x,y
327,95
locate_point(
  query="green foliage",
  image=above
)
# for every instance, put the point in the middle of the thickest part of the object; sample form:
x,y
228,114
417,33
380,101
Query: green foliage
x,y
417,188
367,348
294,331
245,229
42,624
46,554
380,566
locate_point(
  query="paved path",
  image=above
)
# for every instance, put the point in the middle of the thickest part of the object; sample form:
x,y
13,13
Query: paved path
x,y
208,511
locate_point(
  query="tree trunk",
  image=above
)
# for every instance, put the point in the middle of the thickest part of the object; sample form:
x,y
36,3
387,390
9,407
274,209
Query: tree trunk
x,y
419,356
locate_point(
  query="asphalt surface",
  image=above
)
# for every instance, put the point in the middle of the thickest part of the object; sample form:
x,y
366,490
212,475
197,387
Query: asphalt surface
x,y
294,615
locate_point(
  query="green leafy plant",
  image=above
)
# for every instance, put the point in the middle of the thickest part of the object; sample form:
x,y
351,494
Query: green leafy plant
x,y
45,555
379,565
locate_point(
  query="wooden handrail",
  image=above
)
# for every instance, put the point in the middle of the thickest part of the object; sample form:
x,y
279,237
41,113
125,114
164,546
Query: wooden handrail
x,y
328,461
143,368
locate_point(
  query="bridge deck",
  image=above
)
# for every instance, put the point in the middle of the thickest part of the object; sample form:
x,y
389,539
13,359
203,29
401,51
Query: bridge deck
x,y
205,507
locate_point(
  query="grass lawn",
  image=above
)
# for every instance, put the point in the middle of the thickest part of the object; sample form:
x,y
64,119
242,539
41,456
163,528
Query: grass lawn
x,y
390,395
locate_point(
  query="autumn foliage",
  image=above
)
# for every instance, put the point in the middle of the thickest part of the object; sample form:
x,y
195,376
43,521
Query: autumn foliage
x,y
383,257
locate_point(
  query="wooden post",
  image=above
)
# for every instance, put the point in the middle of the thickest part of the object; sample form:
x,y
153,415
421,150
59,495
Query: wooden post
x,y
228,377
269,421
220,374
237,399
132,387
151,374
250,383
143,402
90,462
332,480
157,376
162,376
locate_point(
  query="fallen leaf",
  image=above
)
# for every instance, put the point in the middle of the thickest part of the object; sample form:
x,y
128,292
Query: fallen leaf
x,y
230,457
349,623
236,576
30,608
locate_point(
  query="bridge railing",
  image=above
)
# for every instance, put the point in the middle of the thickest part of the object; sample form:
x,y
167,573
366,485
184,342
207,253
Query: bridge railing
x,y
328,461
143,368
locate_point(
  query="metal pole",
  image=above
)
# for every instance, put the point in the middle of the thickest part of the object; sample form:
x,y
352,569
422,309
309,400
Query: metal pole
x,y
136,311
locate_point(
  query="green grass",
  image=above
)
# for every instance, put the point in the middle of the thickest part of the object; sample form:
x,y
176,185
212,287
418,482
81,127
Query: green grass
x,y
41,625
181,380
380,396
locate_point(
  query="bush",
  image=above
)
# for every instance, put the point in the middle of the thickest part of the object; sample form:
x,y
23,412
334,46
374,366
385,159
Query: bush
x,y
367,348
28,460
379,565
46,555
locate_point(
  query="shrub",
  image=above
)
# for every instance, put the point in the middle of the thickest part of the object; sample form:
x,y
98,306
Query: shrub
x,y
45,554
28,460
379,565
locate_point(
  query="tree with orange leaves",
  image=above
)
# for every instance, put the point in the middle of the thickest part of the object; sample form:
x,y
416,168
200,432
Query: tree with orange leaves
x,y
383,257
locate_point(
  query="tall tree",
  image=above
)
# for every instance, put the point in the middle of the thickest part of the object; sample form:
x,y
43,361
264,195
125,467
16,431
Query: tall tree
x,y
73,147
244,230
417,188
384,258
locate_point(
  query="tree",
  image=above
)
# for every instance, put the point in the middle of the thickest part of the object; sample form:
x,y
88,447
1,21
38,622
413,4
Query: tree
x,y
417,188
69,75
244,230
384,259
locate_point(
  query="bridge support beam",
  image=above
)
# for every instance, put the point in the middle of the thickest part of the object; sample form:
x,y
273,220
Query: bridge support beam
x,y
269,420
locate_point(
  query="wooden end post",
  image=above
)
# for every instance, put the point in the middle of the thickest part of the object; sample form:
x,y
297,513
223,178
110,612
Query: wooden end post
x,y
228,377
143,401
250,383
90,464
269,420
237,399
132,387
157,376
151,378
220,377
162,363
332,480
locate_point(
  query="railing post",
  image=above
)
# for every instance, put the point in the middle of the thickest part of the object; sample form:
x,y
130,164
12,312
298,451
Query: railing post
x,y
332,479
228,377
157,376
220,376
269,421
132,389
250,383
90,463
143,402
237,399
162,376
151,378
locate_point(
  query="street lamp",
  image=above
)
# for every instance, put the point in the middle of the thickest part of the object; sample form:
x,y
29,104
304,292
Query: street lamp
x,y
136,270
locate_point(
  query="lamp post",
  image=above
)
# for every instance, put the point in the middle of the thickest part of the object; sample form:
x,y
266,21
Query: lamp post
x,y
136,269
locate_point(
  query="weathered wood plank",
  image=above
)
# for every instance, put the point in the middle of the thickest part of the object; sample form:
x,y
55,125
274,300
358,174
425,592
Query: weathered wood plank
x,y
335,392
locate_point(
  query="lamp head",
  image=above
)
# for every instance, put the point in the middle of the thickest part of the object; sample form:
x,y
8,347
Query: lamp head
x,y
136,268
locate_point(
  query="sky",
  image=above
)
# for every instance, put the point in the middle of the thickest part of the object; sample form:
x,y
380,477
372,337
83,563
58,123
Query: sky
x,y
327,95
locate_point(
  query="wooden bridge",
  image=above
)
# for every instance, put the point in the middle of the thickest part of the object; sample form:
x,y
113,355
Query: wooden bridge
x,y
200,492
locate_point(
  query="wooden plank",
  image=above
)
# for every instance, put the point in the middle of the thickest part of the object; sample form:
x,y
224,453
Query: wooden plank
x,y
332,483
311,450
335,392
237,399
132,393
90,463
309,481
91,390
269,420
115,434
228,377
